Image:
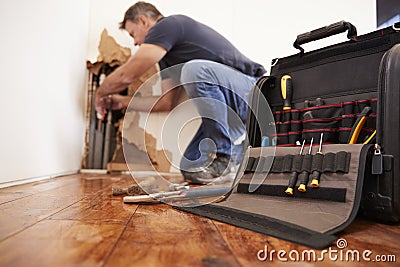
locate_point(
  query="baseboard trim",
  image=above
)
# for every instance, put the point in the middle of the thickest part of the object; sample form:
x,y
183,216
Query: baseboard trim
x,y
36,179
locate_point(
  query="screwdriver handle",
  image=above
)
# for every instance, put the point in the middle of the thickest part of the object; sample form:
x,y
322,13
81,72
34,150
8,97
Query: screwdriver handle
x,y
316,175
287,91
305,166
297,161
292,183
303,181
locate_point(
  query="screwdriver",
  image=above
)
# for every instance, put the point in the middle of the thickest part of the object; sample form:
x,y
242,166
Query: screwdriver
x,y
306,165
293,177
287,91
316,175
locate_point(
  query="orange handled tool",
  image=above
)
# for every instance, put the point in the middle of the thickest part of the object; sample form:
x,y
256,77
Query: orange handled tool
x,y
355,131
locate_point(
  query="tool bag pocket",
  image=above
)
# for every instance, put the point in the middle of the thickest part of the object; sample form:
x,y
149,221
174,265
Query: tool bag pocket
x,y
258,201
327,165
335,121
322,119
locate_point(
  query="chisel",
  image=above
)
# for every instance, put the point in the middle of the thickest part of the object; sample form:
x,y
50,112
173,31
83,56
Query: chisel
x,y
107,140
293,176
287,91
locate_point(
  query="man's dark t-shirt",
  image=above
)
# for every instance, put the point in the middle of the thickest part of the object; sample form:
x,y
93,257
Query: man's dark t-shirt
x,y
186,39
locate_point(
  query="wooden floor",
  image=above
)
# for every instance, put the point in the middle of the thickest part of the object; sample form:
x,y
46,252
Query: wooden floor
x,y
75,221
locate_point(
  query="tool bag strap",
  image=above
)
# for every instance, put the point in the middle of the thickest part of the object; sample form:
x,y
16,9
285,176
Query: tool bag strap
x,y
324,163
325,32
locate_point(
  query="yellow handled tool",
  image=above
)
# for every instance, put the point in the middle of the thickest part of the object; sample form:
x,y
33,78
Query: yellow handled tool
x,y
355,131
305,174
370,138
287,91
294,175
316,175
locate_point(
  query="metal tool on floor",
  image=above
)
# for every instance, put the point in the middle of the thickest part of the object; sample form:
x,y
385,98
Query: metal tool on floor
x,y
136,190
293,176
132,190
181,195
306,165
181,186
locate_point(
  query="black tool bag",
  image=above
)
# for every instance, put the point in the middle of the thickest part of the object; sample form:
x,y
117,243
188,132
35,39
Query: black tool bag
x,y
348,94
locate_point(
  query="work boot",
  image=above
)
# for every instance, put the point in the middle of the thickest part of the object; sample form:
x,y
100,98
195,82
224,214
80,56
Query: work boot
x,y
207,174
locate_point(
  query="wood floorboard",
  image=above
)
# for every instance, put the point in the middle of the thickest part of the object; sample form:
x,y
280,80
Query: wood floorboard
x,y
46,199
6,197
246,244
363,235
61,243
16,192
160,236
75,221
97,206
21,213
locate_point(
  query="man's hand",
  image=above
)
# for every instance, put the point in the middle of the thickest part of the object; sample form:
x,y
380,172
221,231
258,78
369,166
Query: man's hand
x,y
100,104
119,102
113,102
144,58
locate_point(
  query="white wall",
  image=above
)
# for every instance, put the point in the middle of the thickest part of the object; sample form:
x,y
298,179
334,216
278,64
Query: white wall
x,y
262,30
44,45
43,49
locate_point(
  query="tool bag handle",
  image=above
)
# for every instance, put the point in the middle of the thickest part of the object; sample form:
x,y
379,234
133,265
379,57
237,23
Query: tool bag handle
x,y
325,32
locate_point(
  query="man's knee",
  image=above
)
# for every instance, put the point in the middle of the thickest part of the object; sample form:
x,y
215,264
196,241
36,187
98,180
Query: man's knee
x,y
197,76
196,71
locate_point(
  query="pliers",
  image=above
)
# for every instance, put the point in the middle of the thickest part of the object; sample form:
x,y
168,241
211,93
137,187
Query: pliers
x,y
357,126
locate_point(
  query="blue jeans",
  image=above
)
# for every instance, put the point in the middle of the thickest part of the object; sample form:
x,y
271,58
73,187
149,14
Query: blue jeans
x,y
220,94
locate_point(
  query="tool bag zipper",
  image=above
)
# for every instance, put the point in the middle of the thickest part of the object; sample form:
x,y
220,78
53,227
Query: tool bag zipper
x,y
377,162
381,98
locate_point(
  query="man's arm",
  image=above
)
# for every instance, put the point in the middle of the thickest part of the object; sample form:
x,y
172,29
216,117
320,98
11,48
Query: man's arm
x,y
146,56
165,102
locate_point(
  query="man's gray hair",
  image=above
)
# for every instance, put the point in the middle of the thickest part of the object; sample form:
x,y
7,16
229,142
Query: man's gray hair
x,y
140,8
